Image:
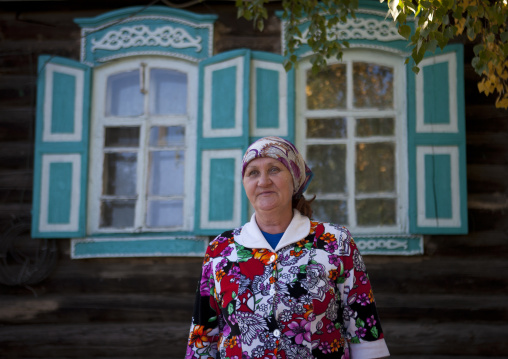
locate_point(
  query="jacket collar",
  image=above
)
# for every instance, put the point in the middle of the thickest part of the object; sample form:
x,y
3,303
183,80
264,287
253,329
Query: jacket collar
x,y
251,236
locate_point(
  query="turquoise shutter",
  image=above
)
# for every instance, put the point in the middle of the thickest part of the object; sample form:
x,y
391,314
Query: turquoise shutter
x,y
272,98
436,144
223,136
61,148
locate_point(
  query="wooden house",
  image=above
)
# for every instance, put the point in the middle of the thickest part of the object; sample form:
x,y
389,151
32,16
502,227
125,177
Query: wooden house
x,y
122,127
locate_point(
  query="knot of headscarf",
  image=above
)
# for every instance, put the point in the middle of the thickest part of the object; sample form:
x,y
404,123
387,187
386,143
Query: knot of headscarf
x,y
285,152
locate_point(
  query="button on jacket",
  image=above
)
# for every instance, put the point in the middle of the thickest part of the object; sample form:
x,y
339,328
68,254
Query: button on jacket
x,y
310,297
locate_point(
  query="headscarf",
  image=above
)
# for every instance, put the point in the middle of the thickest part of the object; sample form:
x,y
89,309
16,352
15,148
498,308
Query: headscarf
x,y
284,151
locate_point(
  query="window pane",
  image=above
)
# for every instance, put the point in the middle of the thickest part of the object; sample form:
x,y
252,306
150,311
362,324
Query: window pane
x,y
330,211
375,167
164,213
168,92
124,97
366,127
327,88
328,162
119,174
121,137
372,85
166,173
326,128
376,212
167,136
117,213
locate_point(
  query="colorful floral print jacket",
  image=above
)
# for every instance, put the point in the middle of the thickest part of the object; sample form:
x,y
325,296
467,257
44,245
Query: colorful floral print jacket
x,y
310,298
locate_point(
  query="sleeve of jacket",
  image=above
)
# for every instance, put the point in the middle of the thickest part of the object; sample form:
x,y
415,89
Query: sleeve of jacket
x,y
205,328
361,319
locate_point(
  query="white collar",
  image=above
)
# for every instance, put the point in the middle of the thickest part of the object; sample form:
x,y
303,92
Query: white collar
x,y
251,236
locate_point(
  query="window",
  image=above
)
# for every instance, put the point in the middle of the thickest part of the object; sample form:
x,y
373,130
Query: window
x,y
351,130
142,159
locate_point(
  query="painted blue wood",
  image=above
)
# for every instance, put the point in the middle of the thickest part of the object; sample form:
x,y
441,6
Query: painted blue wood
x,y
98,34
64,139
437,138
267,98
438,186
223,98
436,94
64,87
239,142
138,247
222,173
60,191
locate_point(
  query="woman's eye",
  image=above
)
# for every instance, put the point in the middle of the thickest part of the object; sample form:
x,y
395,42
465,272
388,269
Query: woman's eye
x,y
275,169
252,173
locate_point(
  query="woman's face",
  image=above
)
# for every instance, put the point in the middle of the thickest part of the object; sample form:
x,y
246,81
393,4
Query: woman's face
x,y
269,185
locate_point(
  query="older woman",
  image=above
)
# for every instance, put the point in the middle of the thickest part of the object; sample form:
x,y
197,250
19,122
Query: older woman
x,y
283,285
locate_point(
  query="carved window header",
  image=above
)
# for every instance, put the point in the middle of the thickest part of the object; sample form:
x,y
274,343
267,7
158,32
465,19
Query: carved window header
x,y
141,35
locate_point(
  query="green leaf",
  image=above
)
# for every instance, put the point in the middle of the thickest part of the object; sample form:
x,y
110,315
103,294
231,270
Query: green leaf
x,y
231,308
405,31
355,340
211,319
415,69
374,332
360,323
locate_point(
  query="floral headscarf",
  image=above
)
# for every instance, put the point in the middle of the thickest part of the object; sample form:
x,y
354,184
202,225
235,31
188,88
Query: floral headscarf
x,y
285,152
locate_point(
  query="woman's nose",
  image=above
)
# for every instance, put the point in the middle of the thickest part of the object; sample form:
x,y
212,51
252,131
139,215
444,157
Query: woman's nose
x,y
264,179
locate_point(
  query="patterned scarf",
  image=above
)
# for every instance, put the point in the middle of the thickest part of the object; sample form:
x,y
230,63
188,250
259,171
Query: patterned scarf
x,y
285,152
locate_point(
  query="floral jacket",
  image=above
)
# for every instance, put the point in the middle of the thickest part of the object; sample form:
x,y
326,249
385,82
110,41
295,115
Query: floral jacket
x,y
310,298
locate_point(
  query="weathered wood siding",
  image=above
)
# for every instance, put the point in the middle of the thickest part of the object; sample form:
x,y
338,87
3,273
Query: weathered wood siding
x,y
450,302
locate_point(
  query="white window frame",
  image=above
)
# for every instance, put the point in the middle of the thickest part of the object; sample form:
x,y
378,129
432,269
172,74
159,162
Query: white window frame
x,y
396,61
99,121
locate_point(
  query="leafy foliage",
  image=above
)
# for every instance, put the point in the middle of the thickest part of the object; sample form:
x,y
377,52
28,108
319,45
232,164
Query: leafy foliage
x,y
437,21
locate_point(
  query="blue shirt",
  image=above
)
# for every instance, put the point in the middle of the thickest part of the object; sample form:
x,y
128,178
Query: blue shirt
x,y
273,239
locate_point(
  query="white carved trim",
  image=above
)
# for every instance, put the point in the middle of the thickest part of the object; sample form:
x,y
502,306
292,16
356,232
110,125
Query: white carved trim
x,y
452,125
208,155
87,31
361,28
282,130
142,35
143,53
208,131
389,245
453,152
47,160
47,135
386,17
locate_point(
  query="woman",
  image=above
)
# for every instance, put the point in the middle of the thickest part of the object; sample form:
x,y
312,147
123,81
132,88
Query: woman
x,y
283,285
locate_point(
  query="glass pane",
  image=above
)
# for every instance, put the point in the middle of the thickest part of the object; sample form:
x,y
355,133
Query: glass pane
x,y
166,173
164,213
168,92
326,128
167,136
376,212
124,97
119,174
327,88
375,167
366,127
117,214
328,162
330,211
121,137
372,85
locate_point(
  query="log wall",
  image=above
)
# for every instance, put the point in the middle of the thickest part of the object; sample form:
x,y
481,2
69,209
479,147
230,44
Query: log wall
x,y
450,302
